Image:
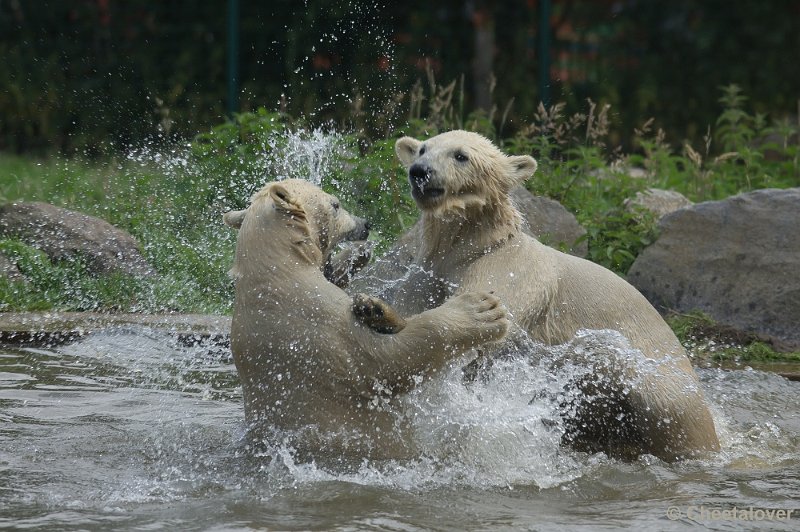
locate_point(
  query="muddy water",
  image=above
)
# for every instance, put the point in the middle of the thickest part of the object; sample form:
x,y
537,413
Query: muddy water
x,y
132,429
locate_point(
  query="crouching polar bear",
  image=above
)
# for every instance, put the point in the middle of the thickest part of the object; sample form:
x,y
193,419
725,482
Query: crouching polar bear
x,y
469,238
308,364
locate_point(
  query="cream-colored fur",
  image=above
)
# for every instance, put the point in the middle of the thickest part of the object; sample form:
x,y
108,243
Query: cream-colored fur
x,y
308,367
469,238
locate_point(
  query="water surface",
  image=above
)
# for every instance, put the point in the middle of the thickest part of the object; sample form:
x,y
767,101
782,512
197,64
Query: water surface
x,y
132,429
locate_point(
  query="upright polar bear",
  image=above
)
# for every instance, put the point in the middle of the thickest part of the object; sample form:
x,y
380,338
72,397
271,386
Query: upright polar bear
x,y
469,238
309,368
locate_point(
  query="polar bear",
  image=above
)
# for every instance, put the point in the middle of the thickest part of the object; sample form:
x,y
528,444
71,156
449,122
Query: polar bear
x,y
308,365
469,238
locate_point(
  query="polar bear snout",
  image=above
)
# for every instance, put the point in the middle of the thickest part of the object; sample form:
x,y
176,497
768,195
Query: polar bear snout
x,y
423,185
360,231
420,173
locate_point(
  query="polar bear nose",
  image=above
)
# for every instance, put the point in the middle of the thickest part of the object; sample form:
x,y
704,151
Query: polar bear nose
x,y
419,174
361,230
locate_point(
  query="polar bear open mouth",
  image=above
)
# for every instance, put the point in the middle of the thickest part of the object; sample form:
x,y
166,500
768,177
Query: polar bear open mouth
x,y
426,194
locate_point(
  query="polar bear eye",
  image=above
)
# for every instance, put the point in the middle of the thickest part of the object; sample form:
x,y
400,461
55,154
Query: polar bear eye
x,y
461,157
422,150
335,206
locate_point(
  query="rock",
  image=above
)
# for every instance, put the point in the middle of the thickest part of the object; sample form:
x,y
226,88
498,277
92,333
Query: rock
x,y
64,234
9,270
658,201
548,221
636,172
738,260
614,172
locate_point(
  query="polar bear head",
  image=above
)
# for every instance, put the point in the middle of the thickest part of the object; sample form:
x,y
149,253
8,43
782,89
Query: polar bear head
x,y
460,170
296,214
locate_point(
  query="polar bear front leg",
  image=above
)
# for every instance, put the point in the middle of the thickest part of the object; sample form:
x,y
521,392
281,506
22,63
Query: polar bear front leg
x,y
377,314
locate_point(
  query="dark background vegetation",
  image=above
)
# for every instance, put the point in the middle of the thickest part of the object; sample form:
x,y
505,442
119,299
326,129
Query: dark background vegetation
x,y
83,75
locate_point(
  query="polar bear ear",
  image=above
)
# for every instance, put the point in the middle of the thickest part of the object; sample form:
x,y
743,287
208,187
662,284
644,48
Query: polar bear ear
x,y
406,149
522,167
285,201
234,218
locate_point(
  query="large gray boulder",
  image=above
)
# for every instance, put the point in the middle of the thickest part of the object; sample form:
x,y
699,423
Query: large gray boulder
x,y
65,235
738,260
548,221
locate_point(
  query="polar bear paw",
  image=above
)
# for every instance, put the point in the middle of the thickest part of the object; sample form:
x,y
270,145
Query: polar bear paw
x,y
377,314
482,315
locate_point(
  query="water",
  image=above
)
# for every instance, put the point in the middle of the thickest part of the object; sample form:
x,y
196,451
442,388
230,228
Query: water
x,y
131,429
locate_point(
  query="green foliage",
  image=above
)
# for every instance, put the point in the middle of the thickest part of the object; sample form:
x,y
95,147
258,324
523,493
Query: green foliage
x,y
172,199
191,258
65,286
617,237
192,284
706,338
735,128
685,325
574,170
230,162
373,186
445,111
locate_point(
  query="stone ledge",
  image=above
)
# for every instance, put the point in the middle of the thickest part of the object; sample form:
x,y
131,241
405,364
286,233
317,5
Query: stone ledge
x,y
37,328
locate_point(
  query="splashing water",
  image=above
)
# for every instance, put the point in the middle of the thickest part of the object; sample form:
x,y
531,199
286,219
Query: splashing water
x,y
492,432
305,155
313,155
502,429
